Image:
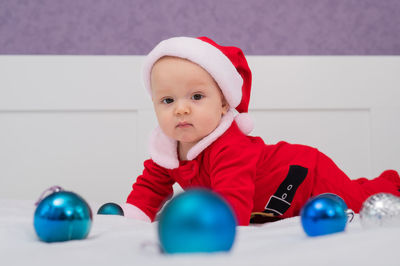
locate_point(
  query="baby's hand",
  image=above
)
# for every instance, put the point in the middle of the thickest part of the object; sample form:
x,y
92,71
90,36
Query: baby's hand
x,y
133,212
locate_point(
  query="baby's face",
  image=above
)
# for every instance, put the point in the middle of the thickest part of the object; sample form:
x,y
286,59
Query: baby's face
x,y
187,101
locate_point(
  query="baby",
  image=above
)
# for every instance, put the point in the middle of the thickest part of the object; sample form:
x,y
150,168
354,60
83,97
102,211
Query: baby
x,y
200,92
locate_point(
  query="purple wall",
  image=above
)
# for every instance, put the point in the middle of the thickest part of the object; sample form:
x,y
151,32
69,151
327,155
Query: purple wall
x,y
269,27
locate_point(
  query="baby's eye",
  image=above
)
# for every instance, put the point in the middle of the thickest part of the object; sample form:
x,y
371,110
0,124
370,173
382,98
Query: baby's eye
x,y
167,100
197,96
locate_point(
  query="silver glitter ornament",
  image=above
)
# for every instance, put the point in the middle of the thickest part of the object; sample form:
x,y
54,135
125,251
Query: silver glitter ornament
x,y
382,209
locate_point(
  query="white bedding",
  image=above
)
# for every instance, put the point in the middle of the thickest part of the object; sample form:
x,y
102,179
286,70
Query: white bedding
x,y
115,240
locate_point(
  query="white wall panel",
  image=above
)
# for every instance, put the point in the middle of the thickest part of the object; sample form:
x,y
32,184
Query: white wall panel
x,y
83,122
91,152
385,141
325,81
71,82
343,135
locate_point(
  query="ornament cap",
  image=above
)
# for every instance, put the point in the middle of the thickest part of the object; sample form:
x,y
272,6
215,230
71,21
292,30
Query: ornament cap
x,y
51,189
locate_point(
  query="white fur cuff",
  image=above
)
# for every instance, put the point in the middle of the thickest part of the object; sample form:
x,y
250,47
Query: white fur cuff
x,y
133,212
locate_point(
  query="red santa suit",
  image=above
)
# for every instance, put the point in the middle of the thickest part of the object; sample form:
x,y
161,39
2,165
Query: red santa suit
x,y
261,182
257,178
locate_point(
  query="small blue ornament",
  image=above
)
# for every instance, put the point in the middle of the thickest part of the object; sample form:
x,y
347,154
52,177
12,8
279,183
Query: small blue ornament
x,y
111,209
324,214
62,216
197,221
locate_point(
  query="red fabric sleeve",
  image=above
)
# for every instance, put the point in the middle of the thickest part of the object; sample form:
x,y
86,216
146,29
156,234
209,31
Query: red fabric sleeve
x,y
151,189
232,176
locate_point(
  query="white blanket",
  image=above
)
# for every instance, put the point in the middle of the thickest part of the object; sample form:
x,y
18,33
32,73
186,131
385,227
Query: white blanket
x,y
115,240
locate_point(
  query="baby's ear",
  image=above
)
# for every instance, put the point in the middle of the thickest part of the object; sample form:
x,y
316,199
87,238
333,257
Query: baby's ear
x,y
225,106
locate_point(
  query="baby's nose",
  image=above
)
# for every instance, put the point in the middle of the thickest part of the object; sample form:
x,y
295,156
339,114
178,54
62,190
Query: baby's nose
x,y
182,108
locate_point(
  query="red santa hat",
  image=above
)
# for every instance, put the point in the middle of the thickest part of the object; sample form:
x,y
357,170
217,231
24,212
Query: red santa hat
x,y
226,64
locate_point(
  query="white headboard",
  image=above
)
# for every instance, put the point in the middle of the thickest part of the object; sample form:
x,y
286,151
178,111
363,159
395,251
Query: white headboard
x,y
82,122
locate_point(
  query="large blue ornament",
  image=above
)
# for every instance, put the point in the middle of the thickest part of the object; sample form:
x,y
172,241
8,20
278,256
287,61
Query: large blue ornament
x,y
197,221
62,216
324,214
111,209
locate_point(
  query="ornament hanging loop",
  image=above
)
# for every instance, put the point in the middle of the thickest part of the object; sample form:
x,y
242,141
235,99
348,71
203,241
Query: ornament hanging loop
x,y
52,189
350,215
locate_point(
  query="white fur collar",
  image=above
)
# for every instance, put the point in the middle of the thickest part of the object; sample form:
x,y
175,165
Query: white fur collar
x,y
163,149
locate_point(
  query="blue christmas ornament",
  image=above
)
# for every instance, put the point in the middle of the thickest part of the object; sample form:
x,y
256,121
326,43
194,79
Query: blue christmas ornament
x,y
335,197
324,214
197,221
350,213
111,209
62,216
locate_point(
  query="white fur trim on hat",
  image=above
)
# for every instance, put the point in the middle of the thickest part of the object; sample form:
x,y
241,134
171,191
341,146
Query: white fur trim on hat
x,y
244,122
204,54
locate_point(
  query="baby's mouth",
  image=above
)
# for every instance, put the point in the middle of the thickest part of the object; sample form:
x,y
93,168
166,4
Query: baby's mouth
x,y
183,124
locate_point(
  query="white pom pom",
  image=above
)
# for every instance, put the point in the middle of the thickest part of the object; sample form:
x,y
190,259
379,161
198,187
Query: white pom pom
x,y
244,122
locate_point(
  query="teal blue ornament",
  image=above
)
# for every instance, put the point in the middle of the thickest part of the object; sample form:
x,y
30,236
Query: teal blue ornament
x,y
197,220
324,214
62,216
111,209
